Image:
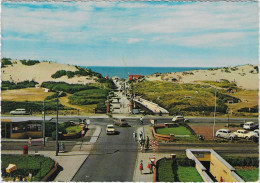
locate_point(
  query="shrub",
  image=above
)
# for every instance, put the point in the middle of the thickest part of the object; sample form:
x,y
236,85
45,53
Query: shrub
x,y
5,62
246,109
8,106
29,62
55,96
24,84
243,161
65,87
59,74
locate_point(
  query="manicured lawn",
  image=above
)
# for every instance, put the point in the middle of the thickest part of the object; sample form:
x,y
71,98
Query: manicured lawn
x,y
73,129
188,174
181,130
39,166
166,173
249,175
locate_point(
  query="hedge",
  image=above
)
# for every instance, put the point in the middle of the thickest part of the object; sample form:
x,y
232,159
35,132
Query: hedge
x,y
243,161
252,109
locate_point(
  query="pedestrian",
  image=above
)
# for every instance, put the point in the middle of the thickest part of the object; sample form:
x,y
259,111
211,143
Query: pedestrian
x,y
141,134
150,167
141,167
221,179
147,143
141,120
134,136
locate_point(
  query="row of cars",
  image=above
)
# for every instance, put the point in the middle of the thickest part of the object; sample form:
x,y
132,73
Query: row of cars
x,y
227,134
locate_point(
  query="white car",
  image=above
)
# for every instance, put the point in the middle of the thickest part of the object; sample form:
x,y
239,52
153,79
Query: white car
x,y
255,133
110,129
19,112
179,119
225,133
244,134
249,125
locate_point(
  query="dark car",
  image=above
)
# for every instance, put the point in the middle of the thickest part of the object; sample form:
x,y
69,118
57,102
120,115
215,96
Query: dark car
x,y
121,122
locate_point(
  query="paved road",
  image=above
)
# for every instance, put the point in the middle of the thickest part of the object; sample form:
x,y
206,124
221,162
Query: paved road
x,y
112,159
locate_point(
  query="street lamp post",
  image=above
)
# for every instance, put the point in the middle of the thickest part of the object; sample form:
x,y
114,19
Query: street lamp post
x,y
57,115
43,125
215,108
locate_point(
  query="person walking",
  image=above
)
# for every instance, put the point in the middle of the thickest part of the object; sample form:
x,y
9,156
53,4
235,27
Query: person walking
x,y
141,134
150,166
134,136
141,120
141,167
147,143
221,179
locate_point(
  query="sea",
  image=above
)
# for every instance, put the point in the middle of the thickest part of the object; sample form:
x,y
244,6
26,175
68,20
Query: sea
x,y
123,72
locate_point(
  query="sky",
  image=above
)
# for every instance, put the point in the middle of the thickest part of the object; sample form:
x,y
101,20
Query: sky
x,y
165,34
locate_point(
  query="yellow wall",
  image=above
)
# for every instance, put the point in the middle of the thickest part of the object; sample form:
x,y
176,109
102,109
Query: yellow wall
x,y
18,135
23,135
34,133
206,156
218,169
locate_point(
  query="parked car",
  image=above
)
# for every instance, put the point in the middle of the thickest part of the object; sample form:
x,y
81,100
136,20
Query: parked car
x,y
179,119
19,112
121,122
225,133
255,133
250,126
110,130
244,134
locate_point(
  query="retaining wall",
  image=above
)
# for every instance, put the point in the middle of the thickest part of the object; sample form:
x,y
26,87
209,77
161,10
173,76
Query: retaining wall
x,y
162,137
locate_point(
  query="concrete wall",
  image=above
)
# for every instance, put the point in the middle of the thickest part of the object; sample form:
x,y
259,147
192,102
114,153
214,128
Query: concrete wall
x,y
218,166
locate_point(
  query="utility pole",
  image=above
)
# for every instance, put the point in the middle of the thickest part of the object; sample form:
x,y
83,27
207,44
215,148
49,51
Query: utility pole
x,y
215,108
57,115
43,125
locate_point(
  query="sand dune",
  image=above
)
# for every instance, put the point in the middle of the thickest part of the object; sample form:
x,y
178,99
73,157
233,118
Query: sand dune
x,y
244,76
41,72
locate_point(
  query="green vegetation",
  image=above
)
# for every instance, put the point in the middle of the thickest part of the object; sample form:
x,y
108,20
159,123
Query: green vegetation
x,y
92,96
5,62
7,85
243,161
181,130
54,96
251,109
85,97
8,106
222,84
80,72
65,87
249,175
73,129
39,166
178,170
29,62
188,174
185,99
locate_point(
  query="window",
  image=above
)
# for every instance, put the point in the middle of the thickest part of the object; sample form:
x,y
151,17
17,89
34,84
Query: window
x,y
18,128
34,127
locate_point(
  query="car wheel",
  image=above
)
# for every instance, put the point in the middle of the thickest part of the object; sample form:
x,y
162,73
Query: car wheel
x,y
218,136
247,138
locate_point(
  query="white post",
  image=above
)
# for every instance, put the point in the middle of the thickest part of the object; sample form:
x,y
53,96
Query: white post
x,y
215,114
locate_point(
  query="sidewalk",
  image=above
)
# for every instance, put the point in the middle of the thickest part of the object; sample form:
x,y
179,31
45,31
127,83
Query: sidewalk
x,y
69,161
146,176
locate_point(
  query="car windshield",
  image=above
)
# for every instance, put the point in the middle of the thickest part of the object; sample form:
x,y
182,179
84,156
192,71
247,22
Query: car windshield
x,y
110,127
